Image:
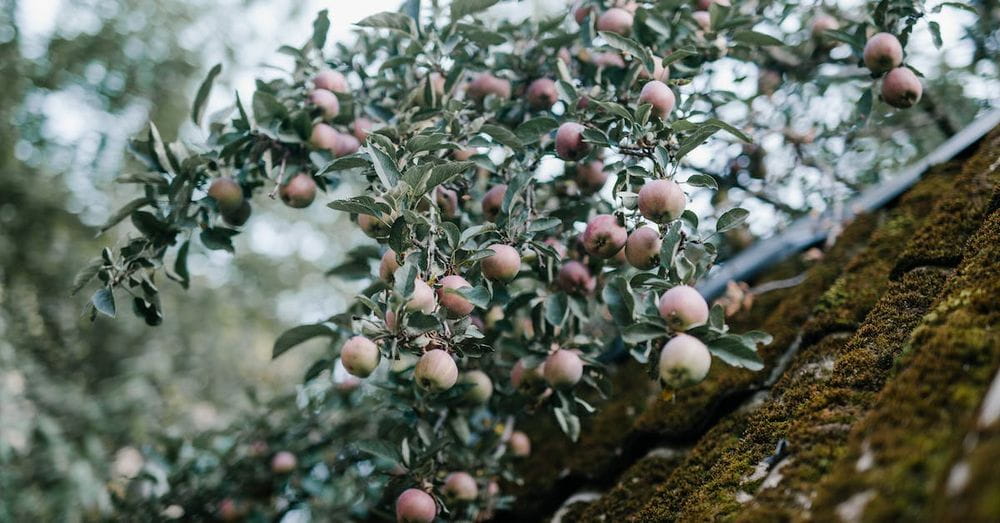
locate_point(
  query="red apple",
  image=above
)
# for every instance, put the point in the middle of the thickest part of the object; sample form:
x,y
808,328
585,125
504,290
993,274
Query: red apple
x,y
901,88
563,369
331,81
326,101
642,250
360,356
503,265
542,94
456,304
415,506
661,201
569,142
683,307
883,53
659,96
616,20
299,192
436,371
604,236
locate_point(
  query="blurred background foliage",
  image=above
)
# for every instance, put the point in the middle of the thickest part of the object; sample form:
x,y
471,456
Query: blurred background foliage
x,y
75,396
73,393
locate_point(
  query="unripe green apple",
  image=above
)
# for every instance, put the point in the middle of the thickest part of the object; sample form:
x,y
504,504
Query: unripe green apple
x,y
616,20
299,192
436,371
542,94
240,216
503,264
882,53
683,307
461,486
569,142
901,88
529,381
604,237
657,94
574,278
283,462
486,84
482,387
493,200
519,444
415,506
563,369
662,201
387,266
684,361
228,194
360,356
456,304
326,101
331,81
422,299
642,250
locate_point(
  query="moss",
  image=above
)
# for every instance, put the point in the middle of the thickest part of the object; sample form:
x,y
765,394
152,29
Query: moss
x,y
632,490
964,207
925,412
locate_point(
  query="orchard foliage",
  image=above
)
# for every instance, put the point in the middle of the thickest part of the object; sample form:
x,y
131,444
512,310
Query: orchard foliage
x,y
497,290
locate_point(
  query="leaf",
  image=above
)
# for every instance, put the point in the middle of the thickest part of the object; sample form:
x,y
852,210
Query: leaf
x,y
702,180
556,307
460,8
198,109
935,33
479,296
123,213
755,38
543,224
733,351
321,26
344,163
356,205
445,172
384,165
267,108
618,297
378,448
86,274
640,332
218,239
180,264
731,219
104,301
502,135
427,142
532,130
569,423
695,139
297,335
398,22
629,46
479,35
729,129
671,241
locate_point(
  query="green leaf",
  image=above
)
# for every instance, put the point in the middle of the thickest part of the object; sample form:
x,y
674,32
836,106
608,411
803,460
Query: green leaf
x,y
618,297
267,108
218,239
556,309
297,335
445,172
104,301
398,22
385,166
379,448
532,130
460,8
702,180
731,219
502,135
695,139
755,38
427,142
198,109
733,351
640,332
479,35
543,224
86,274
629,46
344,163
321,26
479,296
729,129
356,205
935,33
180,264
123,213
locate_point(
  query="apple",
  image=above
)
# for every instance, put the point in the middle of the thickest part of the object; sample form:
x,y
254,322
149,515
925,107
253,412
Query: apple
x,y
883,53
456,304
683,307
360,356
901,88
436,371
642,249
415,506
228,194
661,201
604,236
563,369
684,361
503,264
569,142
299,192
